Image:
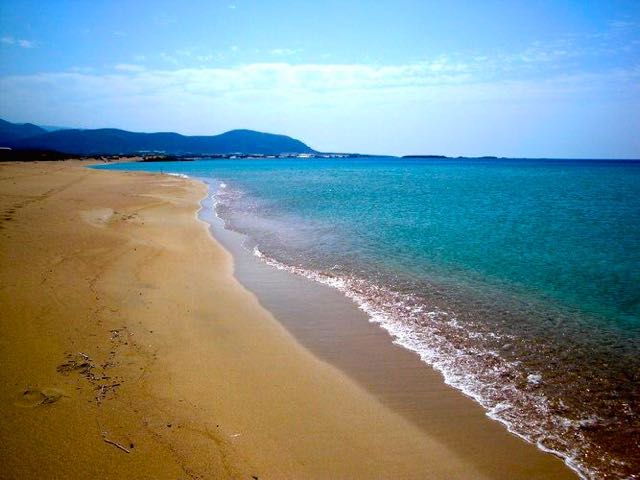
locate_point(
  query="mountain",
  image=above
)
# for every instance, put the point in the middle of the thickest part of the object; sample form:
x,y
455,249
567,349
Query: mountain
x,y
51,128
110,141
10,132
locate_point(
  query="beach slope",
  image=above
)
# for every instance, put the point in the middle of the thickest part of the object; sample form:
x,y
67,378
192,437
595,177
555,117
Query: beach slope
x,y
129,350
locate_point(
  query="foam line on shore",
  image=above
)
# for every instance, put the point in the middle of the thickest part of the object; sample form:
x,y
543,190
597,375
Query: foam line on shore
x,y
434,351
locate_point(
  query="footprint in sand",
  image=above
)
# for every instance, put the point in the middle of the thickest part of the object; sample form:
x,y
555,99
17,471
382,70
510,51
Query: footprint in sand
x,y
33,397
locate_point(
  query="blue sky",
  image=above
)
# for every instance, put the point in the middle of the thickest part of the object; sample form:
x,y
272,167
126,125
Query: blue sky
x,y
537,78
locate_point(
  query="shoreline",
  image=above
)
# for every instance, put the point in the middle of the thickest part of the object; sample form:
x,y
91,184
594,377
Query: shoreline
x,y
126,337
336,329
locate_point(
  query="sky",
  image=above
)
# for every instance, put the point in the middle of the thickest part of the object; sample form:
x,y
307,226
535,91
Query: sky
x,y
518,79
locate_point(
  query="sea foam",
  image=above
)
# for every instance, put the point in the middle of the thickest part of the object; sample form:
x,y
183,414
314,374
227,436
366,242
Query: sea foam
x,y
444,343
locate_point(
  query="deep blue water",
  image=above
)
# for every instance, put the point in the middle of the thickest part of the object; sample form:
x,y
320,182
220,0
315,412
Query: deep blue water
x,y
518,279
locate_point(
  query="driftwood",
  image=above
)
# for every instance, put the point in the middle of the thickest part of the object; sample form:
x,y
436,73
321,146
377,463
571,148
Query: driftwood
x,y
115,444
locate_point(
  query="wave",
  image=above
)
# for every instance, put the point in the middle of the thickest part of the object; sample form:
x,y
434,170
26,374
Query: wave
x,y
481,380
509,390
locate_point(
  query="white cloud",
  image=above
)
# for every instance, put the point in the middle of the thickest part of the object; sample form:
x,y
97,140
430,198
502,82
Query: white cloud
x,y
163,20
296,82
17,42
182,57
451,106
284,52
169,58
621,24
204,58
78,69
128,67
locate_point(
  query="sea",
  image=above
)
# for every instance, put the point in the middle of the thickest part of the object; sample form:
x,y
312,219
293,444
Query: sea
x,y
517,279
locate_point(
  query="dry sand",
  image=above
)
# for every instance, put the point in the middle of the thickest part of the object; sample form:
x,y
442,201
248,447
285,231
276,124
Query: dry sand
x,y
129,350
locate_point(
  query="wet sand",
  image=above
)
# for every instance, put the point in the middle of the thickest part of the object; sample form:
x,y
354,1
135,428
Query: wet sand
x,y
332,327
128,349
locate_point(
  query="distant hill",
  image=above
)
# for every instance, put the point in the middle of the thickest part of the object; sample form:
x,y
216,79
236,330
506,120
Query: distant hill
x,y
51,128
10,132
111,141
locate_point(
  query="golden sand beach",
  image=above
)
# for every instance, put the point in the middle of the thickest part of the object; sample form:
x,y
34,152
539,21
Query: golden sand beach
x,y
129,350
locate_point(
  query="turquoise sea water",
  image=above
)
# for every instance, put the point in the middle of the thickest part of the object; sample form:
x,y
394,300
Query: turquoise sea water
x,y
518,279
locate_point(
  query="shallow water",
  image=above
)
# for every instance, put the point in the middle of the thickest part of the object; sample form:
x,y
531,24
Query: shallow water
x,y
517,279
